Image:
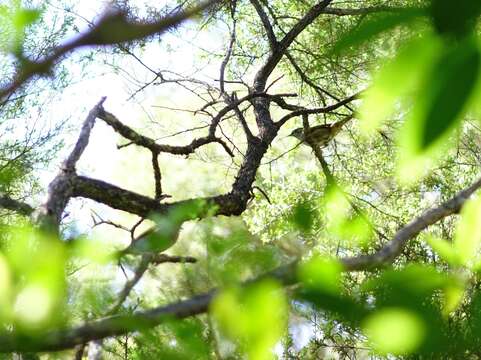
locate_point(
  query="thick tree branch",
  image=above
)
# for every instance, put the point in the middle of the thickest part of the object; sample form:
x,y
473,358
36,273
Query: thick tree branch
x,y
232,203
143,206
261,106
110,326
115,196
6,202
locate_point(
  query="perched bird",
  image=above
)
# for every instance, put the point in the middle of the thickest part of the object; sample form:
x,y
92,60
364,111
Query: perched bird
x,y
320,135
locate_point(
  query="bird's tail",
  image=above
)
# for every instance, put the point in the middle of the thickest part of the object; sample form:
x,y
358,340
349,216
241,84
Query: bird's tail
x,y
338,125
345,120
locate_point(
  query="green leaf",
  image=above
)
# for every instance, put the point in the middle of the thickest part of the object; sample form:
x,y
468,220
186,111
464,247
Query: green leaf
x,y
13,21
406,71
38,263
413,281
438,105
456,18
376,24
94,250
302,216
255,317
5,288
468,232
444,249
322,274
163,235
25,17
448,90
394,331
453,295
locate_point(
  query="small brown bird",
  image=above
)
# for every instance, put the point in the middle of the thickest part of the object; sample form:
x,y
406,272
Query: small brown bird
x,y
320,135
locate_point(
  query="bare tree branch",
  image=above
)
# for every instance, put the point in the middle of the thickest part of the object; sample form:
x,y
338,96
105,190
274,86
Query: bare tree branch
x,y
322,110
362,11
105,32
266,23
115,196
241,118
227,58
320,91
129,285
83,139
276,55
149,143
232,203
157,175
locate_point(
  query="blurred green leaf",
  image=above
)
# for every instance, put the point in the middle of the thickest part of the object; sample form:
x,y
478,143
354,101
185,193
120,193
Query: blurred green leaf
x,y
321,285
321,274
14,19
157,239
174,340
438,106
406,286
406,71
342,220
453,296
444,249
6,288
394,331
33,306
473,313
467,237
237,255
255,317
448,89
356,228
456,18
302,216
38,262
91,249
376,24
24,17
336,205
342,307
166,230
